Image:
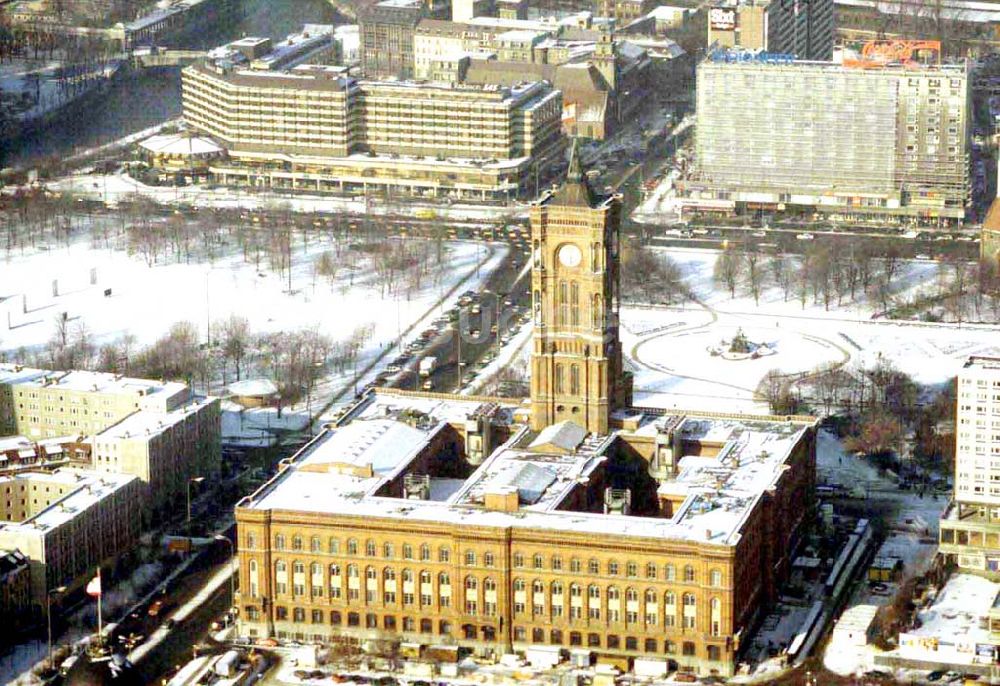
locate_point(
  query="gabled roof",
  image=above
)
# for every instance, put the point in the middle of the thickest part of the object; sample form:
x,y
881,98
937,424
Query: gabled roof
x,y
565,436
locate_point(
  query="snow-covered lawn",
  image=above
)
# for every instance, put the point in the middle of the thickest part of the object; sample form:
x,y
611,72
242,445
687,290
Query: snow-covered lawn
x,y
144,301
118,187
666,348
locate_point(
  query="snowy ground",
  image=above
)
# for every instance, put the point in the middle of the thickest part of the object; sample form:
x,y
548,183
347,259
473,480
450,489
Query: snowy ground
x,y
145,300
666,348
114,188
912,536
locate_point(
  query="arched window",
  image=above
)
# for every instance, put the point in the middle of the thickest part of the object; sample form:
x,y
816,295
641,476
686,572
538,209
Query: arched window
x,y
574,379
631,595
388,574
443,554
279,542
298,567
537,561
407,576
388,551
296,542
519,585
614,595
689,575
471,583
371,574
594,592
650,596
715,578
444,579
670,573
280,567
253,566
537,587
651,570
574,304
333,546
407,551
314,544
352,571
563,304
688,599
352,546
370,548
489,584
557,588
425,577
425,552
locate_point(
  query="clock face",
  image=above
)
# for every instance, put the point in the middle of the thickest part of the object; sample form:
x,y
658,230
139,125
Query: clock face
x,y
570,256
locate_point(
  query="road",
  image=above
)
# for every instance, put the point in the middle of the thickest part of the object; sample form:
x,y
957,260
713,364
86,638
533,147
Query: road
x,y
475,321
176,648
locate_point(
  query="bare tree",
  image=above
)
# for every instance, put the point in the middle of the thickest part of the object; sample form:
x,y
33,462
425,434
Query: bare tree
x,y
236,336
728,268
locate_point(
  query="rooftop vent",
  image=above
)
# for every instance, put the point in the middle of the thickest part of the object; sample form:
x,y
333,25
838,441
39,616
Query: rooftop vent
x,y
617,501
417,487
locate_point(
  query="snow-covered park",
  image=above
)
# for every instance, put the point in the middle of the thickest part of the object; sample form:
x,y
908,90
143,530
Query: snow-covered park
x,y
110,293
667,348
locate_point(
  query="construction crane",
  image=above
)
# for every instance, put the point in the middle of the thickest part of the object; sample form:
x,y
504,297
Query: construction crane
x,y
879,53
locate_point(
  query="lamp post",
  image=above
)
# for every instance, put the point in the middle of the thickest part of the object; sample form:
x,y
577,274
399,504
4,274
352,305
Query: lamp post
x,y
192,480
48,616
232,569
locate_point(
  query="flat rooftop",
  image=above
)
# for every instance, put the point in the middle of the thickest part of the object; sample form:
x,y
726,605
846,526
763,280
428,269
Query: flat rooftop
x,y
147,423
85,381
388,432
90,488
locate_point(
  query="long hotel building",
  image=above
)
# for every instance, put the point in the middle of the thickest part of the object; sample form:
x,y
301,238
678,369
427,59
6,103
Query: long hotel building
x,y
315,128
825,137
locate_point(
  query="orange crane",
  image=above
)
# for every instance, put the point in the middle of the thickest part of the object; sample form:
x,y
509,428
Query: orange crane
x,y
879,53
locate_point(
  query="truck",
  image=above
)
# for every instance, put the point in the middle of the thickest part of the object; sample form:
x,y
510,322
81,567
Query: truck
x,y
427,366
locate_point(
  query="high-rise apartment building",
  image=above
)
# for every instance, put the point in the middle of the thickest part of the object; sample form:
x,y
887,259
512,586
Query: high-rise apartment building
x,y
774,133
970,527
804,28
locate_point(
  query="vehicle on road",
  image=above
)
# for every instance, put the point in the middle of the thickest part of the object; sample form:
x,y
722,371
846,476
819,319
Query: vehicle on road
x,y
428,365
428,385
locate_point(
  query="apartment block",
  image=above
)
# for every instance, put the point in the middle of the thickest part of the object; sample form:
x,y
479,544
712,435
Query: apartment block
x,y
151,429
67,523
15,594
970,527
164,449
773,133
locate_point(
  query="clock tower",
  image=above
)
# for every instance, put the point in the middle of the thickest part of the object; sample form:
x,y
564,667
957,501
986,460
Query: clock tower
x,y
576,359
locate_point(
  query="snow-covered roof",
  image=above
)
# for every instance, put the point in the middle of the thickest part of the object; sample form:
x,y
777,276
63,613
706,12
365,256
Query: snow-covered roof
x,y
180,144
388,432
857,618
88,489
253,387
149,423
95,382
565,435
